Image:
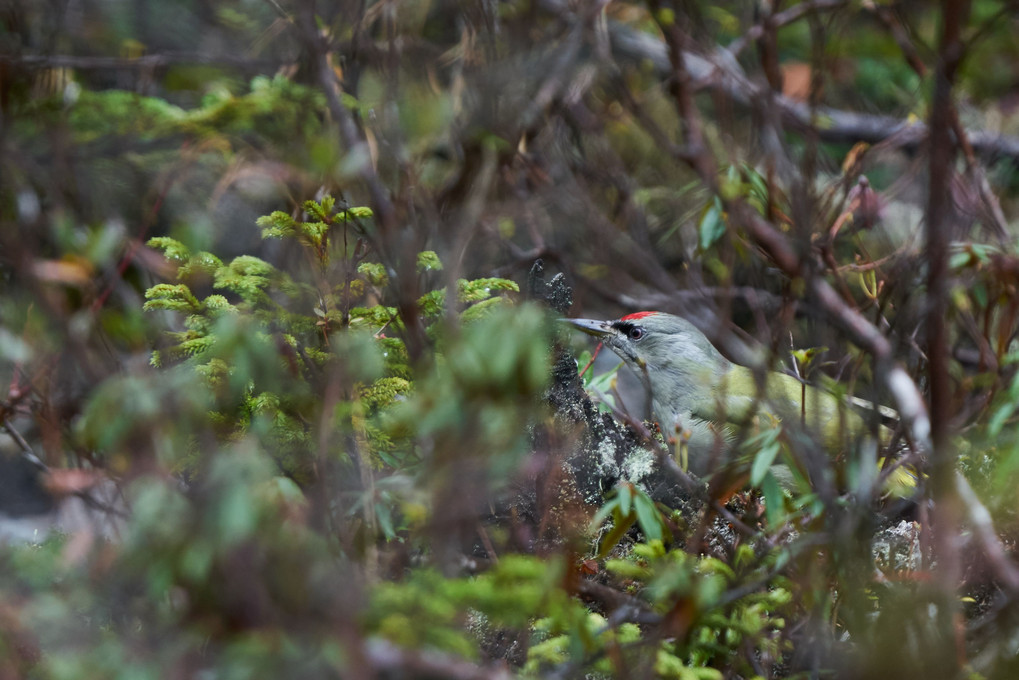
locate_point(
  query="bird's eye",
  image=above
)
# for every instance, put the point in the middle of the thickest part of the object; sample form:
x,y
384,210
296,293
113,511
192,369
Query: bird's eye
x,y
635,333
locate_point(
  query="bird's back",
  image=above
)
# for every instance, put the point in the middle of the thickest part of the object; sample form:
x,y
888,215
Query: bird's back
x,y
781,399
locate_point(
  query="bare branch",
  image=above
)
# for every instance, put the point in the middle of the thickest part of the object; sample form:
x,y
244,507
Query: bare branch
x,y
721,72
148,61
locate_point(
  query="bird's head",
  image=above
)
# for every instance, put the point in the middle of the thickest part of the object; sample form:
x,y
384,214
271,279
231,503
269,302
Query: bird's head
x,y
679,367
650,341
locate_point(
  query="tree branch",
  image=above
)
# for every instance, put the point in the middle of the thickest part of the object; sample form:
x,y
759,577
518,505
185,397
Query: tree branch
x,y
148,61
723,73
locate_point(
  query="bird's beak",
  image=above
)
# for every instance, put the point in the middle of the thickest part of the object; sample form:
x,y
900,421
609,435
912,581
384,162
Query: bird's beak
x,y
598,329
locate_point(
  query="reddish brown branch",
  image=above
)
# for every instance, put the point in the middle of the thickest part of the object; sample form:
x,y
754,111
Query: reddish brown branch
x,y
941,228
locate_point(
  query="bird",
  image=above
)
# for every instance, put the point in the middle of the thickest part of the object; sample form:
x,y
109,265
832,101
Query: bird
x,y
703,398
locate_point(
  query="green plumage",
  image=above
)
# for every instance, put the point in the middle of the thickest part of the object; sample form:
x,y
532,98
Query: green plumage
x,y
698,394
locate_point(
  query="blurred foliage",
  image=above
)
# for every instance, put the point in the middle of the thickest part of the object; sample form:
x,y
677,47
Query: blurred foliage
x,y
259,309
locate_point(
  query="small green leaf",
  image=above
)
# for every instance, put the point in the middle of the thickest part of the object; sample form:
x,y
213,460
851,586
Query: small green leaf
x,y
277,225
316,210
374,272
648,517
762,462
357,213
625,497
385,519
201,262
610,506
999,418
712,225
174,297
774,501
979,292
615,534
328,203
172,248
428,260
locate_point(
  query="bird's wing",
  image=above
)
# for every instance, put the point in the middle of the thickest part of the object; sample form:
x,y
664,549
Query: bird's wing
x,y
735,399
738,399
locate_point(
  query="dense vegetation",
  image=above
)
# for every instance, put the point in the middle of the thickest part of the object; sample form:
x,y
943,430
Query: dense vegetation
x,y
286,390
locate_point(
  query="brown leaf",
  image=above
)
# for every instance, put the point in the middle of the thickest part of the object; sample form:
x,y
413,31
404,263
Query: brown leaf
x,y
70,272
796,80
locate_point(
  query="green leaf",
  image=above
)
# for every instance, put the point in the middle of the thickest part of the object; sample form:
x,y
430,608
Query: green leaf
x,y
648,517
315,231
608,507
277,225
621,524
430,304
316,211
385,520
959,260
712,225
602,383
376,317
481,309
374,273
482,289
328,203
999,418
763,460
172,248
357,213
175,297
203,262
774,501
428,260
625,497
217,304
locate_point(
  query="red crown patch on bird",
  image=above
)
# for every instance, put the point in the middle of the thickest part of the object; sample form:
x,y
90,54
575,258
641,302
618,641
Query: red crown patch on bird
x,y
636,316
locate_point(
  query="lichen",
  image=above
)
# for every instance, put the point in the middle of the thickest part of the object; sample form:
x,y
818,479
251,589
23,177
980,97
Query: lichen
x,y
606,455
639,464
